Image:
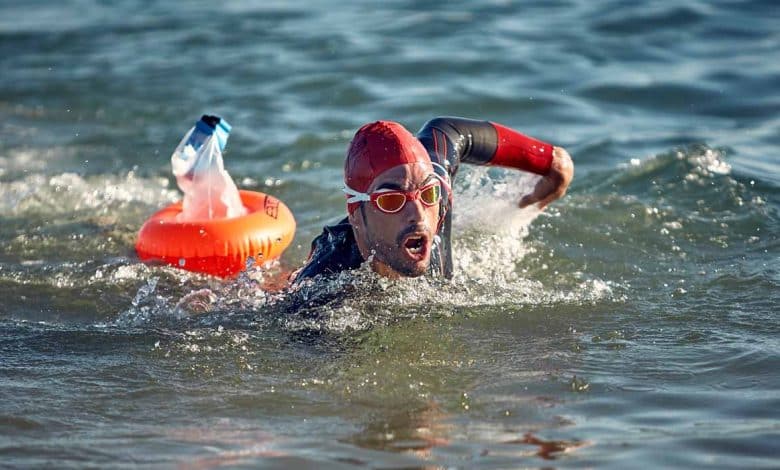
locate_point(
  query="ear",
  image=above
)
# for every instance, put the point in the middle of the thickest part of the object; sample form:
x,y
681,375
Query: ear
x,y
358,221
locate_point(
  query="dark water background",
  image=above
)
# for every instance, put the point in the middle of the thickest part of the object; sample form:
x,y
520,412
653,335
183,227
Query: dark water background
x,y
633,324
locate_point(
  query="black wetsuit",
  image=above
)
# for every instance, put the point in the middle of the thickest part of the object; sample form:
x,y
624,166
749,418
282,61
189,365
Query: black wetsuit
x,y
450,141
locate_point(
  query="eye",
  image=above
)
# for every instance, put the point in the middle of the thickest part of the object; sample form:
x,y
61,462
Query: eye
x,y
390,202
431,194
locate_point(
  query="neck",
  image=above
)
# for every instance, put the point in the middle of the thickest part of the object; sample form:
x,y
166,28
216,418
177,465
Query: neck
x,y
384,270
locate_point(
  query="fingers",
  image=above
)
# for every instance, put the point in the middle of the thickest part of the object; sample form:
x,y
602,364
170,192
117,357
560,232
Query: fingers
x,y
551,197
543,195
541,191
553,185
529,199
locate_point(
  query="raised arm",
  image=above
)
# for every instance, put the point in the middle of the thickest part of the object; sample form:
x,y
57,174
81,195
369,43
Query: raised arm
x,y
451,141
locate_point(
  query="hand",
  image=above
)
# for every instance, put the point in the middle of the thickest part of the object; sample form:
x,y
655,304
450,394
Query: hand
x,y
553,185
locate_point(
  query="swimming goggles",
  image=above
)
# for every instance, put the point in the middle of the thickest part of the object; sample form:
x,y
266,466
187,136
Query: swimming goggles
x,y
391,201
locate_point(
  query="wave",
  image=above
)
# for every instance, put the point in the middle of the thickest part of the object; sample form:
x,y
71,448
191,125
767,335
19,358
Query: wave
x,y
585,249
489,246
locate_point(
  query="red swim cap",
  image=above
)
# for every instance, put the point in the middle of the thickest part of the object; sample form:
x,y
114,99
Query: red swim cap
x,y
377,147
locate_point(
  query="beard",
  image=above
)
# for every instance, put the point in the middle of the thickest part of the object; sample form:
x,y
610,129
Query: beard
x,y
392,254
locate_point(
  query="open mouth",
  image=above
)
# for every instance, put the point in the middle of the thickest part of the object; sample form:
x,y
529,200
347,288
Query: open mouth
x,y
416,246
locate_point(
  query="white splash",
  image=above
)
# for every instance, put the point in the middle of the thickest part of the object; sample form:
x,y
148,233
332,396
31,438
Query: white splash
x,y
488,225
66,193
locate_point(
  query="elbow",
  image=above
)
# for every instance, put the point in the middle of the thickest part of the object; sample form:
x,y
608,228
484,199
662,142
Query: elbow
x,y
439,122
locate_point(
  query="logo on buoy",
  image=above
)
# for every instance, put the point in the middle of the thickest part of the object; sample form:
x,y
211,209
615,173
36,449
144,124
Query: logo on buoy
x,y
271,206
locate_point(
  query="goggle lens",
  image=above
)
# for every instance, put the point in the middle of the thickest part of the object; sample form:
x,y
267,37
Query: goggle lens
x,y
391,202
431,195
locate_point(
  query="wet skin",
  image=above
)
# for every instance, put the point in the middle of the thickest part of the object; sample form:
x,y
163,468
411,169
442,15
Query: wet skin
x,y
398,244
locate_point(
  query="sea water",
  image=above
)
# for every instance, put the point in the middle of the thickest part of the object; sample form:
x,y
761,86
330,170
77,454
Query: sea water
x,y
631,324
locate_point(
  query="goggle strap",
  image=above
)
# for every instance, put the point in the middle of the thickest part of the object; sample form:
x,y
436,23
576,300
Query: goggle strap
x,y
443,170
355,196
445,182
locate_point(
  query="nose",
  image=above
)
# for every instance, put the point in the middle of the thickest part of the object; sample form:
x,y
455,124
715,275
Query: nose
x,y
415,211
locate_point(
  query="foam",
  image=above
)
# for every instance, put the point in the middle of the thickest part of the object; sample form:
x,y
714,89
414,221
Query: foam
x,y
66,193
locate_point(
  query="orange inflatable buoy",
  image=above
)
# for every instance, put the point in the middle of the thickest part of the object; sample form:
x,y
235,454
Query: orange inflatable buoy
x,y
218,246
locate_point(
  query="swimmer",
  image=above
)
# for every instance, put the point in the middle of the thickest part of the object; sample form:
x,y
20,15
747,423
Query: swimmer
x,y
399,193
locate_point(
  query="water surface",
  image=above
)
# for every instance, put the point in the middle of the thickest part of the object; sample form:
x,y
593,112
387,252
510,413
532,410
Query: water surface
x,y
632,323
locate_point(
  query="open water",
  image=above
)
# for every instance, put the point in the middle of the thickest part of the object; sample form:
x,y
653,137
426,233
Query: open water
x,y
631,325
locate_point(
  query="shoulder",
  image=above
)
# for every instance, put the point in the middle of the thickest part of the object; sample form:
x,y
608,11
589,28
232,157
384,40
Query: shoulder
x,y
333,251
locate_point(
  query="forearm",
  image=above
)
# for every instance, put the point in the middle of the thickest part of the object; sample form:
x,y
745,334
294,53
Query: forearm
x,y
516,150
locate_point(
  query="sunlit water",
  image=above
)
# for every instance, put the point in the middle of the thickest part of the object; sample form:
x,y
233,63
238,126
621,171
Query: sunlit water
x,y
631,324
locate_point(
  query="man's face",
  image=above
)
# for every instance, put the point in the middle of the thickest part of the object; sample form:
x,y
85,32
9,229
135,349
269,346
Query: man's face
x,y
400,242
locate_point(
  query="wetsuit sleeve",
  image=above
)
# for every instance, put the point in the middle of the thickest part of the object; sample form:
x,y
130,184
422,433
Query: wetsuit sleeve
x,y
451,141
